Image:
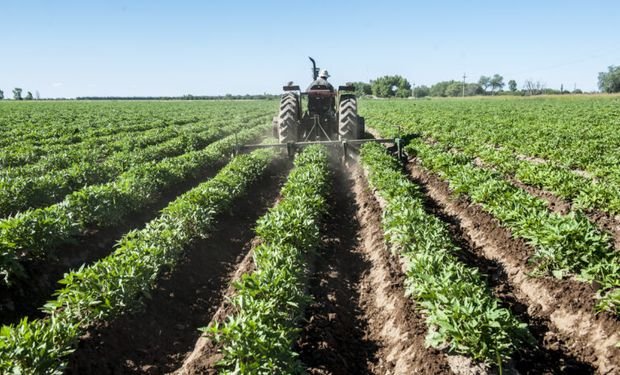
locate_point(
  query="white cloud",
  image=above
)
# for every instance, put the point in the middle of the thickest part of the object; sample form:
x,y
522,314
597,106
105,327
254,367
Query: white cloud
x,y
57,84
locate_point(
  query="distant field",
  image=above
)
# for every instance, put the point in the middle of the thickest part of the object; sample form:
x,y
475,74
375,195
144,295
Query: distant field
x,y
132,240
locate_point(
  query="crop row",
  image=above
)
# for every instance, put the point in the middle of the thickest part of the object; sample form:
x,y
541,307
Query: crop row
x,y
578,132
33,234
83,132
583,192
269,302
67,123
461,312
17,194
19,155
116,284
564,244
98,149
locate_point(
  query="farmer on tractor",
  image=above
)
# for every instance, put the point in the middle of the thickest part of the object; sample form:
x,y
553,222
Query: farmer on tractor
x,y
322,81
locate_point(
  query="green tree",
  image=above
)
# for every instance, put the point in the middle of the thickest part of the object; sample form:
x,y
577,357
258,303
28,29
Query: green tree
x,y
17,93
28,96
421,91
485,82
454,89
512,85
362,88
1,94
609,81
439,88
497,83
390,86
472,89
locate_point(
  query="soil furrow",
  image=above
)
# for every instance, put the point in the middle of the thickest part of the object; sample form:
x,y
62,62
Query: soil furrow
x,y
543,358
160,336
333,340
204,357
361,320
565,307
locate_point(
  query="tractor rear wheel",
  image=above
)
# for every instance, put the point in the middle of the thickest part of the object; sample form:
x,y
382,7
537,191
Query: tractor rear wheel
x,y
288,118
348,121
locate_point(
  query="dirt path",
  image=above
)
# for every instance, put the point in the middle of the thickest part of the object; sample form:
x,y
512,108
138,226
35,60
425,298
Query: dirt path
x,y
157,339
561,311
361,322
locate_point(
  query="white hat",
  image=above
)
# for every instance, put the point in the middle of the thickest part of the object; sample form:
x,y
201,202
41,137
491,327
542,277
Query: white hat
x,y
324,74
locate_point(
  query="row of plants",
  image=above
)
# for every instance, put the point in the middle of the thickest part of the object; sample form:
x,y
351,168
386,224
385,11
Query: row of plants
x,y
21,153
258,337
563,244
577,133
461,313
33,234
93,145
21,193
583,192
41,129
118,283
99,150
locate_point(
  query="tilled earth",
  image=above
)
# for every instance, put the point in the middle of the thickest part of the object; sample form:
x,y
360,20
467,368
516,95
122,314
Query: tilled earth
x,y
360,320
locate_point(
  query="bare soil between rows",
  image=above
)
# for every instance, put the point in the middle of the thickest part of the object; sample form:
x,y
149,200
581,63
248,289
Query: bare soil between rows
x,y
361,322
571,338
156,339
26,297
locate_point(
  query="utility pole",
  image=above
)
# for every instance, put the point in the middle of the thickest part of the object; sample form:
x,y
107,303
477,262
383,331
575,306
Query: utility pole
x,y
464,76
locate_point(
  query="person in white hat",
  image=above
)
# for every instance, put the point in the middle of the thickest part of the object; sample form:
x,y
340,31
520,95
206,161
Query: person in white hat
x,y
322,80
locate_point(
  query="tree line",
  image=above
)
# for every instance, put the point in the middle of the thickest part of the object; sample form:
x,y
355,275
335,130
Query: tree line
x,y
17,94
399,87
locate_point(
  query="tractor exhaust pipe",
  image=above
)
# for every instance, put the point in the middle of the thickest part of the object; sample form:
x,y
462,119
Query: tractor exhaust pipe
x,y
315,70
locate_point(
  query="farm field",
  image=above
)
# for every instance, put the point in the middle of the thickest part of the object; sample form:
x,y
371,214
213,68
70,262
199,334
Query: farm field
x,y
133,239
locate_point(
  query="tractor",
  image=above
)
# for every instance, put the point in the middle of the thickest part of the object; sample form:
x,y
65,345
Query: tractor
x,y
330,119
331,115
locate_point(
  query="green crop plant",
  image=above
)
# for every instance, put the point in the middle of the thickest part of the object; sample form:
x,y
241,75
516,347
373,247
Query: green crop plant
x,y
460,310
563,244
258,337
117,283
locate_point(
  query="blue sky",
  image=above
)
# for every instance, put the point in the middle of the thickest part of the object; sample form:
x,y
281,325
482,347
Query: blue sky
x,y
81,48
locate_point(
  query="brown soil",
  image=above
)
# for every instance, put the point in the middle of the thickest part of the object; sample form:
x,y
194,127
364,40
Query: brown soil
x,y
360,321
206,354
24,299
561,312
156,339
